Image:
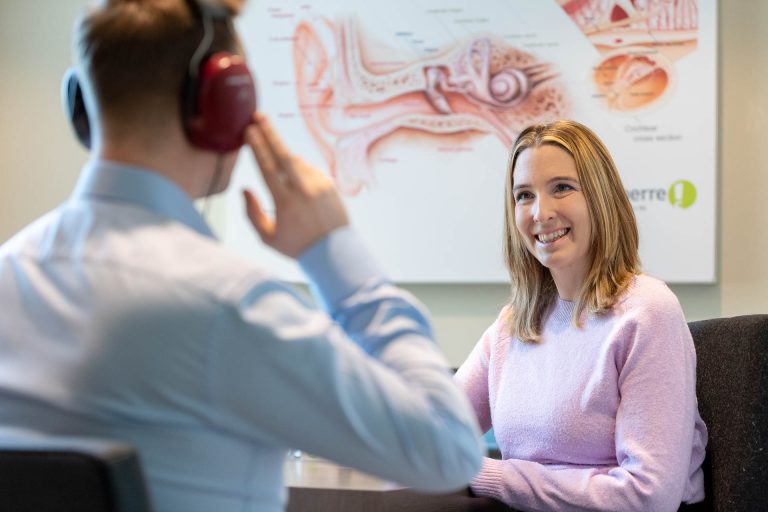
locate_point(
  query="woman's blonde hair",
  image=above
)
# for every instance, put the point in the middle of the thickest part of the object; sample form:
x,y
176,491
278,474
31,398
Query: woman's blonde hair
x,y
614,244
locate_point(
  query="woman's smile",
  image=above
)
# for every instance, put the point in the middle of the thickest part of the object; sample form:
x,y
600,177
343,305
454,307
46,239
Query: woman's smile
x,y
551,237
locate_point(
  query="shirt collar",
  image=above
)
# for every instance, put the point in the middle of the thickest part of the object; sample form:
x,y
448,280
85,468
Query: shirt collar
x,y
114,181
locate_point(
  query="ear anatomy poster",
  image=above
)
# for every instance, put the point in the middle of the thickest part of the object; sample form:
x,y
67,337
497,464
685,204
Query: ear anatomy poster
x,y
412,106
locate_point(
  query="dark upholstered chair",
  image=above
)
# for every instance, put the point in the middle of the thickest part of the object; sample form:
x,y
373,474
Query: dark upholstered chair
x,y
70,475
732,389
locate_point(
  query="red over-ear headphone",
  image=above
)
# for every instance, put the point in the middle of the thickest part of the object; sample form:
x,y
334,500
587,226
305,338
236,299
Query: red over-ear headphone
x,y
219,96
217,100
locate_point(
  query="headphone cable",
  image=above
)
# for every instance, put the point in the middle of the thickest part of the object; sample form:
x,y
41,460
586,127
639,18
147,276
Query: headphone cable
x,y
212,187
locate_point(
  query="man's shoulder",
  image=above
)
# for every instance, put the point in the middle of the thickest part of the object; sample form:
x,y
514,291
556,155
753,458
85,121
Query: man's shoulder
x,y
177,253
28,239
137,244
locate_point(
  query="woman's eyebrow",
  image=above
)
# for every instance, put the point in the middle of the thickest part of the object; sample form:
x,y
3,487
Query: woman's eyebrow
x,y
563,178
551,180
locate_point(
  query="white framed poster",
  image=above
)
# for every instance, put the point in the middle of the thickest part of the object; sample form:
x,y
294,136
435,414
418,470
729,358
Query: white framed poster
x,y
412,106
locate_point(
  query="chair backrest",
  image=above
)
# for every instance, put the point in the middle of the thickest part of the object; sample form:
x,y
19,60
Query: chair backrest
x,y
70,475
732,390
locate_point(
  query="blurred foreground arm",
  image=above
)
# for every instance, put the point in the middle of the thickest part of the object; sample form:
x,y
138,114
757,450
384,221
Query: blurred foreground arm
x,y
367,386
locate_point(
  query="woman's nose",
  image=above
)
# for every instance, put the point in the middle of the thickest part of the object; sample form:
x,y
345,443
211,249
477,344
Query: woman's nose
x,y
542,209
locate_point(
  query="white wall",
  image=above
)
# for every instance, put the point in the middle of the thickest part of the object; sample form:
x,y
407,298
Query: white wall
x,y
744,157
39,160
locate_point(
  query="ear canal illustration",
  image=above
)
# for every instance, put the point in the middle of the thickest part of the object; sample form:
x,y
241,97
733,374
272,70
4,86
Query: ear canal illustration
x,y
480,84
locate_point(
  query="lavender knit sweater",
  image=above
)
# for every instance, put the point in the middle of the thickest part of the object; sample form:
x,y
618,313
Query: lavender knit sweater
x,y
598,418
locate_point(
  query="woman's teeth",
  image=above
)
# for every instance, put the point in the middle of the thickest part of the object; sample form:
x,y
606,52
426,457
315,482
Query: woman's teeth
x,y
551,237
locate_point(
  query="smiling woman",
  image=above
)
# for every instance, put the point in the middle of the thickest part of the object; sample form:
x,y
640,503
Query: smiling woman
x,y
584,177
587,377
552,217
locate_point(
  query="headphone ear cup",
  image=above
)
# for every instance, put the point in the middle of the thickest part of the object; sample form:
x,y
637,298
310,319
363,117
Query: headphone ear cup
x,y
218,104
74,106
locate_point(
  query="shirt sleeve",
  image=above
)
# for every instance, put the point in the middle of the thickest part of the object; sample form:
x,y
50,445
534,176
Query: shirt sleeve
x,y
363,385
654,432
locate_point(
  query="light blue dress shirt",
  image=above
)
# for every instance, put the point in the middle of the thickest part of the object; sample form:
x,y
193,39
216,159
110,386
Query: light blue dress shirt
x,y
123,317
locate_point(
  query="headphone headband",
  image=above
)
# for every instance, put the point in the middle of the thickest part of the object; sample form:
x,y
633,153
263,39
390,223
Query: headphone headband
x,y
207,12
210,7
219,96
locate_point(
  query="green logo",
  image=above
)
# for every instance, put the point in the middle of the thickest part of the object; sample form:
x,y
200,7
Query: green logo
x,y
682,194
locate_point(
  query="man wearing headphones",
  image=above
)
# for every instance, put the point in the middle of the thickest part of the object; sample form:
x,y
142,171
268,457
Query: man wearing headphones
x,y
124,318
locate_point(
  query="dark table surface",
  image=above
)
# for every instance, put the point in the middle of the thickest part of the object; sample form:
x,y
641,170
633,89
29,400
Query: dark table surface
x,y
316,485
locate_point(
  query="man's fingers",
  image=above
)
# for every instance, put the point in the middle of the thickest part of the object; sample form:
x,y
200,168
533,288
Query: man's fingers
x,y
264,156
279,152
264,226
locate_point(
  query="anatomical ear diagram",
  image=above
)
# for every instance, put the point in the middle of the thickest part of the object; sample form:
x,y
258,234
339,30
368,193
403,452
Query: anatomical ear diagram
x,y
480,84
638,41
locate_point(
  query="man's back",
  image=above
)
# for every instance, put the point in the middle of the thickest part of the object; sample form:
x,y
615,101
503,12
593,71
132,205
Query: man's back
x,y
123,318
106,331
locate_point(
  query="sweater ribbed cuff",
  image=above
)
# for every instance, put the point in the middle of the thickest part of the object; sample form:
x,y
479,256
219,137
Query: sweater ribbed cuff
x,y
488,481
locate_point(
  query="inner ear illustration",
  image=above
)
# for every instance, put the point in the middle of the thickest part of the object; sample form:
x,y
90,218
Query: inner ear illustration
x,y
480,84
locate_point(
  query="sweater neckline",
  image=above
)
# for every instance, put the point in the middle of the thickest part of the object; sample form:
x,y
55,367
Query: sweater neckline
x,y
562,310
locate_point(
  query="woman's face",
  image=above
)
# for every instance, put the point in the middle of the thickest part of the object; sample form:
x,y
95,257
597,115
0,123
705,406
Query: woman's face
x,y
551,215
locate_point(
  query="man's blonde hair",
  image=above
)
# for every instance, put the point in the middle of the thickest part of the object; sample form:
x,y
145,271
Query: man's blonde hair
x,y
614,245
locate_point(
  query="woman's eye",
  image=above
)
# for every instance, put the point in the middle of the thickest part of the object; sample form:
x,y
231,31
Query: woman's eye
x,y
563,187
522,196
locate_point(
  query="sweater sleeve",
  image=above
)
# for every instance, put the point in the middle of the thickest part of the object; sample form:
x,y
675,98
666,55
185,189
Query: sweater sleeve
x,y
654,430
472,377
